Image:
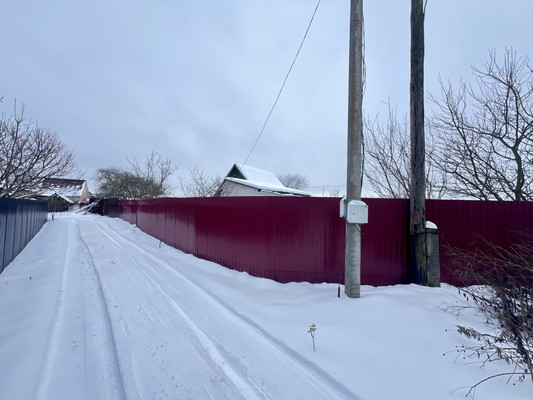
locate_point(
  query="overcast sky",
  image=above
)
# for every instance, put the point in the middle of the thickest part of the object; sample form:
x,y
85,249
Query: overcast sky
x,y
195,80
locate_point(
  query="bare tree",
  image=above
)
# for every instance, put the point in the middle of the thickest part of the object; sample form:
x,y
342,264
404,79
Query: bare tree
x,y
140,182
479,142
29,154
387,157
503,293
335,192
484,132
116,182
294,181
200,185
156,170
387,160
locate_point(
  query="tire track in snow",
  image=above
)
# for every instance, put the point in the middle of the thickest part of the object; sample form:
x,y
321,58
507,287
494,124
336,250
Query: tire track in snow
x,y
47,369
81,326
203,345
317,381
247,388
113,387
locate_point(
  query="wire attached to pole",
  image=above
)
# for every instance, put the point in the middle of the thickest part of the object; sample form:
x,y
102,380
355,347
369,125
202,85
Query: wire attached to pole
x,y
284,81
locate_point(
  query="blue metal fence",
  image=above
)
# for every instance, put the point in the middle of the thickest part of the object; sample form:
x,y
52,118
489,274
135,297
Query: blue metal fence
x,y
20,220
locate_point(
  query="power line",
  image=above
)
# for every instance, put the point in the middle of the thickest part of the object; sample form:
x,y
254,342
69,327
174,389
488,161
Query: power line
x,y
284,81
326,186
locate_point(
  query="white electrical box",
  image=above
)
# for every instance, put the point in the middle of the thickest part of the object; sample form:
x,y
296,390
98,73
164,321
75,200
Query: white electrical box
x,y
354,211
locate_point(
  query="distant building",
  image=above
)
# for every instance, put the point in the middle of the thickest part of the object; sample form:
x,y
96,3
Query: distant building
x,y
243,180
74,189
60,193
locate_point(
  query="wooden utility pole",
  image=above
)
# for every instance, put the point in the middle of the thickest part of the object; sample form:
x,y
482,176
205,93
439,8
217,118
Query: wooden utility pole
x,y
352,276
418,266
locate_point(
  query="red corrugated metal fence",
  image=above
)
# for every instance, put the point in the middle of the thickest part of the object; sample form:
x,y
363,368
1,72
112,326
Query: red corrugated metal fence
x,y
302,239
470,224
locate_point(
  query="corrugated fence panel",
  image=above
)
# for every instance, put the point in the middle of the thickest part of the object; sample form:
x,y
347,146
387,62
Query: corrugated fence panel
x,y
309,238
287,239
250,234
170,223
228,233
110,207
3,234
19,238
302,239
20,220
128,211
384,242
466,224
9,244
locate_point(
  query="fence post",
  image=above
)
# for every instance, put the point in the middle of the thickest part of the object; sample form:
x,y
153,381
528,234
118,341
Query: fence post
x,y
432,255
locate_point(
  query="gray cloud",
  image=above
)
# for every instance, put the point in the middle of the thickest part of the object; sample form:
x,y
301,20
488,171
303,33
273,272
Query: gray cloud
x,y
196,80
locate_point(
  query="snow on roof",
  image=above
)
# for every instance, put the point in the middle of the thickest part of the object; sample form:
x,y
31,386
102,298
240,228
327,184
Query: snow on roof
x,y
262,180
50,195
257,175
64,187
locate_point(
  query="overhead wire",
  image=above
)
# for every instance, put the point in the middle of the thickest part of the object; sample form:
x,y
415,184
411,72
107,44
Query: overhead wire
x,y
283,84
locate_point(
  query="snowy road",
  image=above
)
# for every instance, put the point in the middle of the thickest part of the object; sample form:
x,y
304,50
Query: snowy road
x,y
95,309
128,324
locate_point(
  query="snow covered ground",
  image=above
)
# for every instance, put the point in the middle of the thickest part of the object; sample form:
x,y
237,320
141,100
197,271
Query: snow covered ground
x,y
95,309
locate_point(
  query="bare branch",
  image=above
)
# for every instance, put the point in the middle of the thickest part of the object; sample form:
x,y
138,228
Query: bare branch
x,y
294,181
484,133
149,181
199,185
387,159
29,154
503,293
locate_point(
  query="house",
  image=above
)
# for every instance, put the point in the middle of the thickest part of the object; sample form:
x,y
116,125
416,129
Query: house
x,y
61,193
75,190
244,180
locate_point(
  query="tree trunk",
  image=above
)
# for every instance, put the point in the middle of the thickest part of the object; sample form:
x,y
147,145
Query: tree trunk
x,y
418,183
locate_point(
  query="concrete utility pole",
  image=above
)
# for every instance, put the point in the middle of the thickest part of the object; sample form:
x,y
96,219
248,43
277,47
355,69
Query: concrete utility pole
x,y
418,262
352,277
